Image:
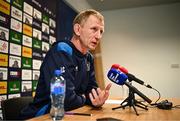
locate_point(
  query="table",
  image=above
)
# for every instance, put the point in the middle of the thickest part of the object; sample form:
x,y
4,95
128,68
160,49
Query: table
x,y
127,114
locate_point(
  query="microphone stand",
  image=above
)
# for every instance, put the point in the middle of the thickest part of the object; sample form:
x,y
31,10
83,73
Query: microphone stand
x,y
131,101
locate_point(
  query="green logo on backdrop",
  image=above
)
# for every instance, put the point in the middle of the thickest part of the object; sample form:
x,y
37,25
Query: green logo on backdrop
x,y
15,37
34,84
26,62
18,3
14,86
37,43
45,19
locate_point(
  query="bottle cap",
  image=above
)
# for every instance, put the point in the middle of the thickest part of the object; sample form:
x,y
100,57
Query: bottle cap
x,y
57,72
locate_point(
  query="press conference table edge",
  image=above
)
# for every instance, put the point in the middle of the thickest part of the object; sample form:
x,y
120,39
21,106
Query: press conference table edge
x,y
127,114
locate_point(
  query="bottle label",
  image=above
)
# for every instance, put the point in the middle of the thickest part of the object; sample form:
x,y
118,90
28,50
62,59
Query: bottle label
x,y
57,88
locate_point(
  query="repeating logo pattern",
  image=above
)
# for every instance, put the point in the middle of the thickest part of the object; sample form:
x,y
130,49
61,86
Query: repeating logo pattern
x,y
27,31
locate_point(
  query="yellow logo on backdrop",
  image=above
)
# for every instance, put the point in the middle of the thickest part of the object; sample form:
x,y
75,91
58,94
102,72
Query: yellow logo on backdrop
x,y
27,30
27,52
3,60
4,7
33,94
3,87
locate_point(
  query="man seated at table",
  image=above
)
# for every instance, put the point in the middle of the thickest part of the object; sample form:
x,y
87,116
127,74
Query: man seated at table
x,y
74,58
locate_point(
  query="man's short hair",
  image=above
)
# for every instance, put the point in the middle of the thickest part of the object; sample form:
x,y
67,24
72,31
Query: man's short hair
x,y
84,15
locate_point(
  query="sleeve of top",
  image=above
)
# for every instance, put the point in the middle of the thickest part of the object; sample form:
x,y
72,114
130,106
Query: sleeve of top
x,y
55,60
92,84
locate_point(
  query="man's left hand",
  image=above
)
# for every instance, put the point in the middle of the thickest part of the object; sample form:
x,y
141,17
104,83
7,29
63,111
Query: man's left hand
x,y
98,96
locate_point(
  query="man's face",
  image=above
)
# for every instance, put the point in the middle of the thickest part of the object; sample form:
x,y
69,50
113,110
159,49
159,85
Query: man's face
x,y
91,32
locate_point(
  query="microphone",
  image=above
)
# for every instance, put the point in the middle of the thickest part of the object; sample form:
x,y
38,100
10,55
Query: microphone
x,y
117,76
120,78
130,76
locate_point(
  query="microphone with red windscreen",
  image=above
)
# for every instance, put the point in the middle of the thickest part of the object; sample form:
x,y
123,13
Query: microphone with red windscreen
x,y
131,77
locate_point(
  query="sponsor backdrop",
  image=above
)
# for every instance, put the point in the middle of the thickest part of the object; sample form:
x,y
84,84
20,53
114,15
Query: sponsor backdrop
x,y
27,31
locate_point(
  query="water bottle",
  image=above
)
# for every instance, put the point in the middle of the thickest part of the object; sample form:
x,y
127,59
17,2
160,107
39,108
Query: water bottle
x,y
57,94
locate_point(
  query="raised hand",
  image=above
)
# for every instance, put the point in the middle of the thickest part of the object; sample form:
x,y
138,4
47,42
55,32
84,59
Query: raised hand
x,y
98,97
